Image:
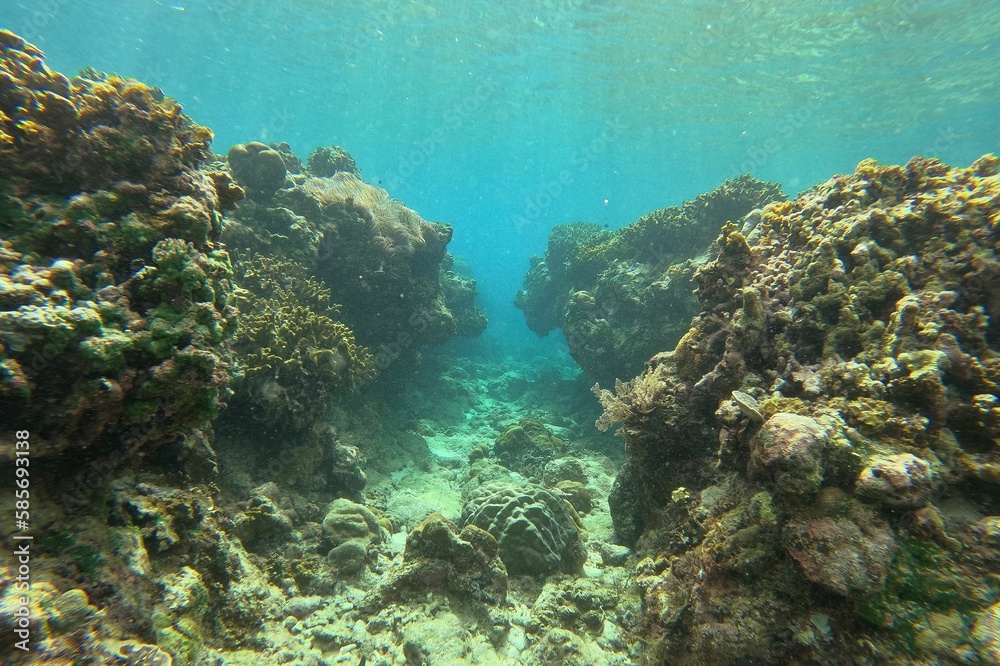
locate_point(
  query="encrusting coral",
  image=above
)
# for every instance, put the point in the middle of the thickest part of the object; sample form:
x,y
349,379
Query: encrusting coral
x,y
619,297
114,298
845,367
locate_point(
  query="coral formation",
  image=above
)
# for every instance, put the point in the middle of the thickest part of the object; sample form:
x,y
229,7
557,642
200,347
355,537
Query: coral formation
x,y
296,357
114,299
465,564
327,161
258,168
844,367
619,297
386,267
526,446
538,532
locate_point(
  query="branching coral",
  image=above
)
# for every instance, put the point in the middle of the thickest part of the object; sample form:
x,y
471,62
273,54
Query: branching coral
x,y
297,357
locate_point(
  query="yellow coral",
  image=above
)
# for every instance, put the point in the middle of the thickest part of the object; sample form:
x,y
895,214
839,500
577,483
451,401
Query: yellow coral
x,y
289,340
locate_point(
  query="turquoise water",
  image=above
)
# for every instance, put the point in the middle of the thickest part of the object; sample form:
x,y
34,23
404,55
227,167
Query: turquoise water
x,y
470,112
797,463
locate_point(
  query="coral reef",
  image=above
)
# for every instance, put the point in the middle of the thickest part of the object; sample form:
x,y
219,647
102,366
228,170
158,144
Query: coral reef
x,y
385,265
620,297
114,298
327,161
538,532
258,168
829,404
296,358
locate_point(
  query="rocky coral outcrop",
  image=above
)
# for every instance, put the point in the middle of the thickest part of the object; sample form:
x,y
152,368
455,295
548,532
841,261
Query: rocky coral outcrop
x,y
620,297
526,446
464,563
538,532
115,307
258,168
842,363
386,267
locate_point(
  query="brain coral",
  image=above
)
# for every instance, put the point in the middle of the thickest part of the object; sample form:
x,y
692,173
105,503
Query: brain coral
x,y
114,300
538,531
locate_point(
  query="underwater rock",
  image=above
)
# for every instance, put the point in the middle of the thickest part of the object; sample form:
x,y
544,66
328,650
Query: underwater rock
x,y
900,481
613,555
460,299
564,469
577,495
559,646
788,450
847,557
465,564
622,296
538,532
527,446
302,607
261,524
258,168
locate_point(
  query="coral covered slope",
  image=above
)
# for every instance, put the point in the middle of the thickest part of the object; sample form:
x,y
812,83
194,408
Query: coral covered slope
x,y
823,442
114,298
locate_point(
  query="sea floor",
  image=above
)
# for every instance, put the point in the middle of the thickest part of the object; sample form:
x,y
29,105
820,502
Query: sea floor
x,y
417,460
